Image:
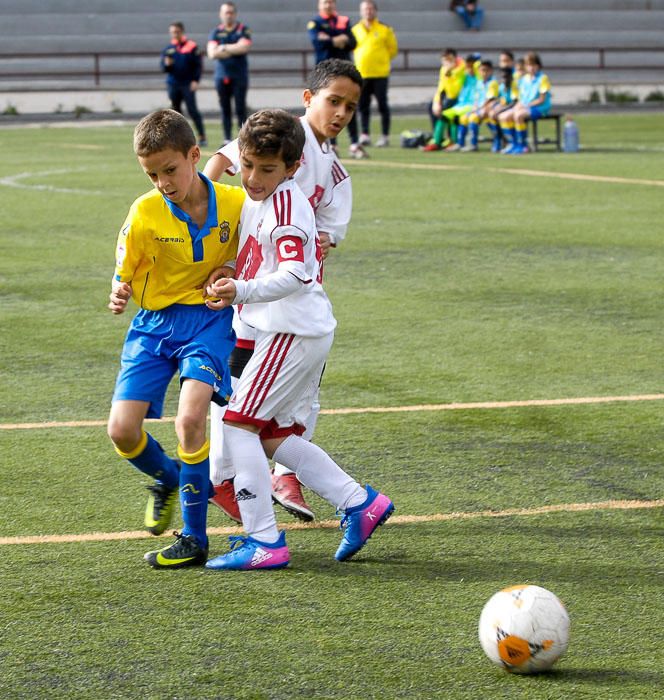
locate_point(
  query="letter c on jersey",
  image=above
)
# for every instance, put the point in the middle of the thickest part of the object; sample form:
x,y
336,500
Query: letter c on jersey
x,y
290,248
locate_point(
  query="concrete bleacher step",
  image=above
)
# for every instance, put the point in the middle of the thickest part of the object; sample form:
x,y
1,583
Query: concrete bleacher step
x,y
408,25
568,34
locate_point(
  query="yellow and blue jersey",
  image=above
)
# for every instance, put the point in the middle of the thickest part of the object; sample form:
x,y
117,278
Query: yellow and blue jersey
x,y
467,94
507,95
485,90
166,257
533,86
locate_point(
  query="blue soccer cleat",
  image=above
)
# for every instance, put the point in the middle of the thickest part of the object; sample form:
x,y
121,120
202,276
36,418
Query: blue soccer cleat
x,y
361,521
248,554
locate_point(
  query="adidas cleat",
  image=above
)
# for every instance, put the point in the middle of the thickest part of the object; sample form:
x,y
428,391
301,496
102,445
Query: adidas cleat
x,y
185,551
287,492
248,554
360,522
159,509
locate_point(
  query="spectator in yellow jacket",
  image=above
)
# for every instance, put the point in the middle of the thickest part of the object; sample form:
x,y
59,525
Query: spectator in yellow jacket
x,y
376,47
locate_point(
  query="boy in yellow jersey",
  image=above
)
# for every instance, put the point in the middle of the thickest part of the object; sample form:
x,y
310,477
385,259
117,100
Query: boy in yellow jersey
x,y
376,47
173,238
450,82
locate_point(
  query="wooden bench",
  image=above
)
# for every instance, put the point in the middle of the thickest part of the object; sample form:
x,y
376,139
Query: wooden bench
x,y
536,141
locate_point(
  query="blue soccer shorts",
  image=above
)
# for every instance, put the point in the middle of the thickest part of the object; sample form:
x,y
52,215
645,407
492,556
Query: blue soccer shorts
x,y
191,339
538,112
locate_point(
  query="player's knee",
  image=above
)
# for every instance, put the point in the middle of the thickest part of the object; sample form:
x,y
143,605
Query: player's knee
x,y
124,435
190,429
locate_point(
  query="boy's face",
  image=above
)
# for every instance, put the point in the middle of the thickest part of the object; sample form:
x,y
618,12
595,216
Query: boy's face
x,y
504,61
171,172
485,72
331,108
261,175
531,68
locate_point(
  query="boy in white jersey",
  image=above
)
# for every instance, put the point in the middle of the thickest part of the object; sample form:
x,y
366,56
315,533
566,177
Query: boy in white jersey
x,y
330,100
278,293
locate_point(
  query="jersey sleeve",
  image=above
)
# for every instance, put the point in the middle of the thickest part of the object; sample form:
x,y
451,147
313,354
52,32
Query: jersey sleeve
x,y
545,85
232,152
289,242
333,216
245,33
392,44
129,249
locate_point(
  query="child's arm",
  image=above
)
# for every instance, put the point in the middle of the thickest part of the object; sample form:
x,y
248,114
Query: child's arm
x,y
272,287
216,166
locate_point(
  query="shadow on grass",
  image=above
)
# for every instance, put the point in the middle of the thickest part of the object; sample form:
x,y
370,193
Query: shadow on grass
x,y
605,675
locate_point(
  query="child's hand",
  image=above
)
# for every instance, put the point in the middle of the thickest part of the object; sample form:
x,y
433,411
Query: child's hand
x,y
325,243
218,273
119,296
221,293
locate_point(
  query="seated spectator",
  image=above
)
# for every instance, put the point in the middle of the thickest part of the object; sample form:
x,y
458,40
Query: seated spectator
x,y
450,80
464,103
470,12
508,93
534,102
486,94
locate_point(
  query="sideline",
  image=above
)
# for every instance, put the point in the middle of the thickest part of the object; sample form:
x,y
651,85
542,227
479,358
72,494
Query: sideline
x,y
330,524
507,171
574,401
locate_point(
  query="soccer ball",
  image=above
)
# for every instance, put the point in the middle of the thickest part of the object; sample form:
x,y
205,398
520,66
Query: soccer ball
x,y
524,629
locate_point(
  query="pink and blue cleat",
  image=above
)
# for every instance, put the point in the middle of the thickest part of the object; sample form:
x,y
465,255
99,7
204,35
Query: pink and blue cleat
x,y
248,554
360,522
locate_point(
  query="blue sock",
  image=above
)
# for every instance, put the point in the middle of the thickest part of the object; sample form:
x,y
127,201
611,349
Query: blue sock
x,y
522,137
154,462
461,134
474,133
194,494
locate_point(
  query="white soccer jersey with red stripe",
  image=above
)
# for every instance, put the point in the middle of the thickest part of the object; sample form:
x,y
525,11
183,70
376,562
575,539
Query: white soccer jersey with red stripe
x,y
279,234
322,178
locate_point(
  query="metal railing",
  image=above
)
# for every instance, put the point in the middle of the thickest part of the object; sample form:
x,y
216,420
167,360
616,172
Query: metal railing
x,y
100,63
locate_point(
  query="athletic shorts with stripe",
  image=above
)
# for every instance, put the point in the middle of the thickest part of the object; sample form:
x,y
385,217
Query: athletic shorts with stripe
x,y
279,383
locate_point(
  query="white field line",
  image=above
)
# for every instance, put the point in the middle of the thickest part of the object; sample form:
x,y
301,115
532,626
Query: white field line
x,y
16,181
573,401
330,524
510,171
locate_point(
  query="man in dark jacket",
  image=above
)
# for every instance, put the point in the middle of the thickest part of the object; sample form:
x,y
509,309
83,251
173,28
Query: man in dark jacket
x,y
182,62
331,36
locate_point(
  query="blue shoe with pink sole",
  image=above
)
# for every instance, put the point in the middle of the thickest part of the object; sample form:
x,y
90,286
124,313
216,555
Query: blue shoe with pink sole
x,y
248,554
360,522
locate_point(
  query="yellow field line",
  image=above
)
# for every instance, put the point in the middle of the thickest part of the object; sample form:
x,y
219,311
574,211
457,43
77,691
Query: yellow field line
x,y
510,171
573,401
328,524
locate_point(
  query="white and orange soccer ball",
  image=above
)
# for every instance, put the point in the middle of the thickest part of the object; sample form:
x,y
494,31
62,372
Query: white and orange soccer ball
x,y
524,629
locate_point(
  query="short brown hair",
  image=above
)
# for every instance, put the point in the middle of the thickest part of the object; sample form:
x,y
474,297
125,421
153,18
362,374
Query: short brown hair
x,y
161,130
273,132
534,59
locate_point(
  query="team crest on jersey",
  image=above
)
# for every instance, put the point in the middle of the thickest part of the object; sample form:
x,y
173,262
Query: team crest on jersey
x,y
224,231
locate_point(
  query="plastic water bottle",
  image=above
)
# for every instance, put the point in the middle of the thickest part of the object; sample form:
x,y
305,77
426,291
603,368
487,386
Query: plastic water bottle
x,y
570,136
